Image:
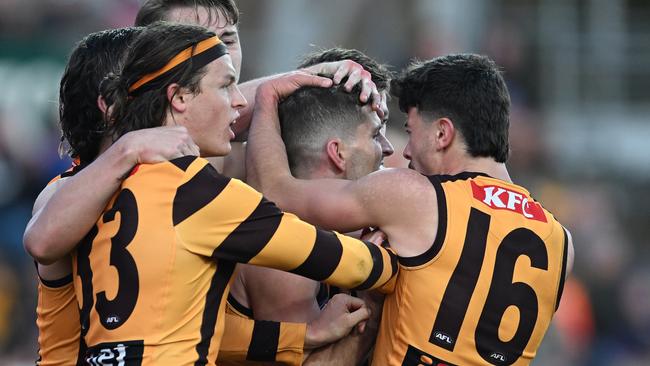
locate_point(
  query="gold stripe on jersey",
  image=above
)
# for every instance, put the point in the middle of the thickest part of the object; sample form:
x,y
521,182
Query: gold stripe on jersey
x,y
486,290
247,340
57,318
266,232
153,275
57,315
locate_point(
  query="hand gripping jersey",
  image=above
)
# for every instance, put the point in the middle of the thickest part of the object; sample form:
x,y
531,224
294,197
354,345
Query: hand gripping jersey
x,y
152,276
485,292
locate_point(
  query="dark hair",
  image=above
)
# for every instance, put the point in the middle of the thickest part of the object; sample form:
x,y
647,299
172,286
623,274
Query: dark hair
x,y
466,88
152,50
311,115
156,10
380,74
81,120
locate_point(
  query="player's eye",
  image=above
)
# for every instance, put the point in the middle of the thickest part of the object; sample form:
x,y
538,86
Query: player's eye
x,y
229,41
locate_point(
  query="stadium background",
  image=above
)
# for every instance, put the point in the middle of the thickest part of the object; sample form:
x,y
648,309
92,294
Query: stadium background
x,y
577,71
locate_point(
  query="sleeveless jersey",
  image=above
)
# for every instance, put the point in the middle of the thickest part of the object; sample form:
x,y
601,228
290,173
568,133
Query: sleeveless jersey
x,y
153,274
57,317
485,292
247,340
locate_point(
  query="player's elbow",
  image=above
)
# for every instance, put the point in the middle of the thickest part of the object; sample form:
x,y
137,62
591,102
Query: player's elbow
x,y
38,246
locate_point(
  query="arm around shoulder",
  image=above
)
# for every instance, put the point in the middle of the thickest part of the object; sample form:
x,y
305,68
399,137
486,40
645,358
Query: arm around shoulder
x,y
50,235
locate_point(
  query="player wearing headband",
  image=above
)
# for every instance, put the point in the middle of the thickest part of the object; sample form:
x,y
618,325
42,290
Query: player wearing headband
x,y
154,271
83,127
82,122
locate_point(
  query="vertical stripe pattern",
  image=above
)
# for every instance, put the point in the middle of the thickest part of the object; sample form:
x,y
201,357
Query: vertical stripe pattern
x,y
264,341
212,301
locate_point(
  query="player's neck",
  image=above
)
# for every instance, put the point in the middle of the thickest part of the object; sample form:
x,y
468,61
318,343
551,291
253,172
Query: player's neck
x,y
104,145
487,166
321,171
319,174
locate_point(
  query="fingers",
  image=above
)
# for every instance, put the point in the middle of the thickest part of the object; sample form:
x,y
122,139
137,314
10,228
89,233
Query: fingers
x,y
368,88
343,70
286,84
325,68
359,312
355,76
361,327
185,144
359,315
194,149
376,105
376,237
189,149
351,303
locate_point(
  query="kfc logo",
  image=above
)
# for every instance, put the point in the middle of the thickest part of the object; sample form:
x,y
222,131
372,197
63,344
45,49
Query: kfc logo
x,y
501,198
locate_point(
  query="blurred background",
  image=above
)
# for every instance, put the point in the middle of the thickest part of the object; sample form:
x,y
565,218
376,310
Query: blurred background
x,y
577,71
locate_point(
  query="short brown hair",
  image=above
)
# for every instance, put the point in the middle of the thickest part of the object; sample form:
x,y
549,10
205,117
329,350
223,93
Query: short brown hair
x,y
156,10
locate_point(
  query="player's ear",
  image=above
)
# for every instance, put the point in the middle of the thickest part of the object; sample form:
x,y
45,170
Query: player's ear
x,y
177,97
101,104
335,155
444,132
105,108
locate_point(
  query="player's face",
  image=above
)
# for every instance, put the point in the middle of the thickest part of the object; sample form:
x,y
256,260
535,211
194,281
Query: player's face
x,y
369,147
226,32
210,114
419,150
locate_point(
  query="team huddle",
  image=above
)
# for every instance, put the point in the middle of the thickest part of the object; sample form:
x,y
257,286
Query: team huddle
x,y
201,223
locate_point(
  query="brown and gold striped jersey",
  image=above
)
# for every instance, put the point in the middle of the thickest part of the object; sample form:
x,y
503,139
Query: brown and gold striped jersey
x,y
247,341
485,292
152,275
57,319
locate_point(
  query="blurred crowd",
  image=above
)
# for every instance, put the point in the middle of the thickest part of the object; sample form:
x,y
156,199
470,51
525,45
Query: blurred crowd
x,y
595,180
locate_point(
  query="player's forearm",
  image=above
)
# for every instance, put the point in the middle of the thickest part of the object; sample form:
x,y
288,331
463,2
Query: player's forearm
x,y
351,350
72,211
267,166
249,90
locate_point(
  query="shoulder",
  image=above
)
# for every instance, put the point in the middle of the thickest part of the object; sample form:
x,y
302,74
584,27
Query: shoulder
x,y
186,168
404,205
396,182
47,193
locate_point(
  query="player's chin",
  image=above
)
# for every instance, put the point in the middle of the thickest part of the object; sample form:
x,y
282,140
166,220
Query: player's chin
x,y
221,149
225,148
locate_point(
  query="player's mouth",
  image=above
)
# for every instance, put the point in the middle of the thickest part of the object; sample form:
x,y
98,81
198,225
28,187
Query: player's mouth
x,y
232,123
